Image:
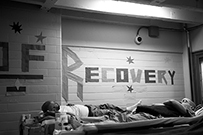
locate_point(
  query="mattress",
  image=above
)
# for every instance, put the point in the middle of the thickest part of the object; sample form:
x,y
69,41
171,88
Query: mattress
x,y
172,125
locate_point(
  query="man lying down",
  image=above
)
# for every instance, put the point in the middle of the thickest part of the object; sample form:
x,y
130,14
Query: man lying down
x,y
169,108
92,113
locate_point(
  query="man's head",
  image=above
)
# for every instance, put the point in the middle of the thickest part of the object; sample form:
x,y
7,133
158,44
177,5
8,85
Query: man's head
x,y
186,101
50,106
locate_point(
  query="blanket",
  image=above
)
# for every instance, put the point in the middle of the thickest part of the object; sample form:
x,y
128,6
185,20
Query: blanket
x,y
161,126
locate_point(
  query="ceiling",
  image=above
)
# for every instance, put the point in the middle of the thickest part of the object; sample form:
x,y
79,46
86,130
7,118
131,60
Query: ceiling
x,y
188,4
188,12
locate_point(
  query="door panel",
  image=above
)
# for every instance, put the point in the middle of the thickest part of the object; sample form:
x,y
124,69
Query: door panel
x,y
197,78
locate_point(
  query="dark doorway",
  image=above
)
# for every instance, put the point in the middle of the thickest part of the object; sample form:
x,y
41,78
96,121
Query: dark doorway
x,y
197,91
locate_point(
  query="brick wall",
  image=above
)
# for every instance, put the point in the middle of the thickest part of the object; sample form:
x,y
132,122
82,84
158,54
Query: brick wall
x,y
30,65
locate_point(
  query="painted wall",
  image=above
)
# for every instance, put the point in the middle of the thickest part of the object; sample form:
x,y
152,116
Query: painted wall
x,y
104,45
30,63
87,33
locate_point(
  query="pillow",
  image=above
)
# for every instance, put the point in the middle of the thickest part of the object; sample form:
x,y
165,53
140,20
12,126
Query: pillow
x,y
188,107
198,107
199,112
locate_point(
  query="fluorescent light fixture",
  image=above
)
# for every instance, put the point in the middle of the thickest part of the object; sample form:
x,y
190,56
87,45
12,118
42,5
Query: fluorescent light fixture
x,y
128,8
133,10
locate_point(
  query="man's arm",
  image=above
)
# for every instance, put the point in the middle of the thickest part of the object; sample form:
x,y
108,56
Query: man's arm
x,y
177,105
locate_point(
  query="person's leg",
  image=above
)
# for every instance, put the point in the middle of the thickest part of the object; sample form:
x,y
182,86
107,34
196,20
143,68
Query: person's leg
x,y
132,108
113,107
96,111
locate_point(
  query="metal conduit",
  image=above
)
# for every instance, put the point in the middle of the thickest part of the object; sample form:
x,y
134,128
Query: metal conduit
x,y
190,61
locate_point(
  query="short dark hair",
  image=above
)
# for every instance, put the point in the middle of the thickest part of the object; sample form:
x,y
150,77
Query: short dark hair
x,y
50,106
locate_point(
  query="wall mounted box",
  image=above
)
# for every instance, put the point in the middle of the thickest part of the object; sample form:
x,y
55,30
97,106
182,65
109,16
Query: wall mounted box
x,y
153,31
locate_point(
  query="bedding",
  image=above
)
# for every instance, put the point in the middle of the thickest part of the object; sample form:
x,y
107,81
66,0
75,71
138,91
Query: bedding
x,y
169,116
170,108
160,126
75,122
